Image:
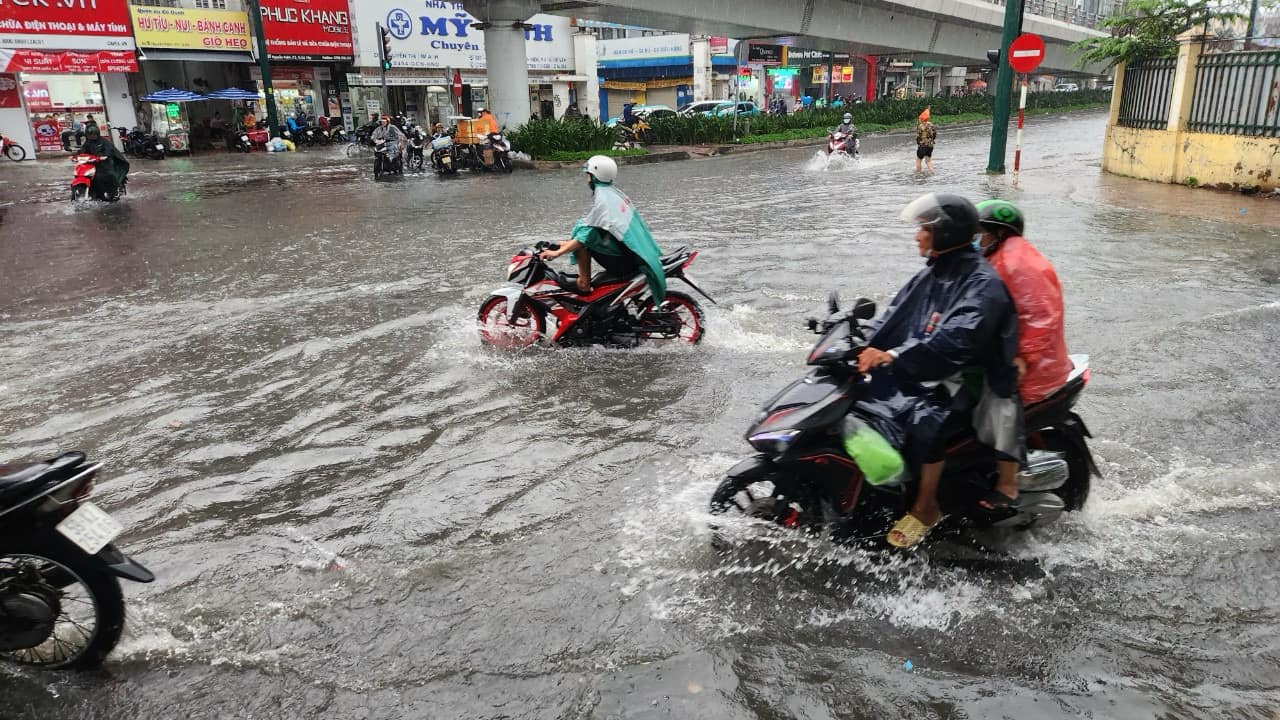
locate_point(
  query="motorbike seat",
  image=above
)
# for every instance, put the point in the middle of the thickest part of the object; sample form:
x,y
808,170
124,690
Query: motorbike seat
x,y
17,482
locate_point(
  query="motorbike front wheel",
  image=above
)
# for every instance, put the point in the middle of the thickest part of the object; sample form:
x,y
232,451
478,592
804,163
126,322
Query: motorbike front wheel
x,y
522,329
503,161
415,162
81,595
79,192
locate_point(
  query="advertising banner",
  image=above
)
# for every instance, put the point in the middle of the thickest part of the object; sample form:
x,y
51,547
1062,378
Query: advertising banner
x,y
66,24
107,61
10,94
307,29
48,132
644,48
438,34
719,45
186,29
37,95
765,54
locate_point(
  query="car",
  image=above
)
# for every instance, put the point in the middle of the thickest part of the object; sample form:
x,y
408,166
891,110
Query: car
x,y
1107,86
646,112
701,107
1066,87
725,109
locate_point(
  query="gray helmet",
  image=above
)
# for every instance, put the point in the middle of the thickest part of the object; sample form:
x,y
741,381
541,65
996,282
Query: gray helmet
x,y
848,117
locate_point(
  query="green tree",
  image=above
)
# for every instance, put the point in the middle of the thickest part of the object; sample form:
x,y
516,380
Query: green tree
x,y
1150,29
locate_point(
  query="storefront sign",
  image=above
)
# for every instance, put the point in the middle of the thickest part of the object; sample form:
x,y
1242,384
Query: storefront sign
x,y
307,29
185,29
66,24
10,95
48,133
68,62
846,74
644,48
36,93
765,54
439,34
719,45
802,56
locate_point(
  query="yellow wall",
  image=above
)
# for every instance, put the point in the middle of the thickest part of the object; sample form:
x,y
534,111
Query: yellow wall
x,y
1225,161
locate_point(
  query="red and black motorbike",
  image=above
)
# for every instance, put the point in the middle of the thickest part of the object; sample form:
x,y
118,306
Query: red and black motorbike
x,y
86,183
543,304
839,143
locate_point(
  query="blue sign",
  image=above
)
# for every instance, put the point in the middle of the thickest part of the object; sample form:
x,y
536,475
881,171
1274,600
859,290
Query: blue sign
x,y
399,24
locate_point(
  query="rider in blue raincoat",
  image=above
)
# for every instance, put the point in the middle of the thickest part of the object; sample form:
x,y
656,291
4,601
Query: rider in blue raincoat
x,y
612,234
948,341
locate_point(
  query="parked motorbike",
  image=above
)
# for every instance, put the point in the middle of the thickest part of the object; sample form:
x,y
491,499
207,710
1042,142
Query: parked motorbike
x,y
83,184
617,311
12,150
382,162
839,143
61,606
239,141
143,144
803,477
442,156
633,135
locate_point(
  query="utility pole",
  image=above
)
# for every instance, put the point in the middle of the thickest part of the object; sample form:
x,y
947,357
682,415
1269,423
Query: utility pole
x,y
264,64
1004,87
831,62
1253,20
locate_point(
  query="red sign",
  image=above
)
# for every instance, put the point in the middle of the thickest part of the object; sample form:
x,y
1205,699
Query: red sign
x,y
10,96
68,62
719,45
307,29
37,95
66,24
1026,53
457,83
48,133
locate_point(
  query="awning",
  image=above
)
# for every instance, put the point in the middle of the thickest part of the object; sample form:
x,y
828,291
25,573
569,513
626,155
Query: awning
x,y
146,54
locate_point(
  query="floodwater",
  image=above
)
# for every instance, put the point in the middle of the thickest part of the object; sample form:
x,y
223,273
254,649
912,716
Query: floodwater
x,y
355,511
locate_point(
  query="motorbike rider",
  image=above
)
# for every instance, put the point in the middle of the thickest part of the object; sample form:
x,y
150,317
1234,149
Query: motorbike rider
x,y
438,131
612,233
486,124
391,135
949,338
850,130
112,172
1042,362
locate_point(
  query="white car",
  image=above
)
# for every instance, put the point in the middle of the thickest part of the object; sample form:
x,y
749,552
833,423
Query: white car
x,y
1066,87
700,108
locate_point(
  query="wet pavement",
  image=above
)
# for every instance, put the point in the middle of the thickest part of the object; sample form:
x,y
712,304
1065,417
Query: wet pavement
x,y
355,511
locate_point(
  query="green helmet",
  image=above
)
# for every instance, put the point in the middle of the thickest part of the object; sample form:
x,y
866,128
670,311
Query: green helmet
x,y
1001,215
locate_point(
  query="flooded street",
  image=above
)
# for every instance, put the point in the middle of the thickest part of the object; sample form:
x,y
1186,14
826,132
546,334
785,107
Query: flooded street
x,y
355,511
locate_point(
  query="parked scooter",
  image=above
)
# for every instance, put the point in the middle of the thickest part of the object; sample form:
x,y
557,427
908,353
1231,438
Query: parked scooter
x,y
12,150
501,148
143,144
61,606
87,183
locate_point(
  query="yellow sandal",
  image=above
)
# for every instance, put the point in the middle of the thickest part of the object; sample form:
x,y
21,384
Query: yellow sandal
x,y
909,527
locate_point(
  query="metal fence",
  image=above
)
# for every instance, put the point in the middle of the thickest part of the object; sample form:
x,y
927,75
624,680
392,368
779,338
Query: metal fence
x,y
1237,93
1144,99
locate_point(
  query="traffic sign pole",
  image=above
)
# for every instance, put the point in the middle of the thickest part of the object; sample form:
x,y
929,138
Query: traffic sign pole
x,y
1004,85
1017,141
1023,55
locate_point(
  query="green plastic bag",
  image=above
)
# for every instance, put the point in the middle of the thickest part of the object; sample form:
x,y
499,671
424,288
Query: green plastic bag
x,y
880,463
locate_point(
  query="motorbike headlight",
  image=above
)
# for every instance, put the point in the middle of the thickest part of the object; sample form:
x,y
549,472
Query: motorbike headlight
x,y
773,442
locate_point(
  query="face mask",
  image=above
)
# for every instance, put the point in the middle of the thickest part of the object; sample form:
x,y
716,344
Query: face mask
x,y
977,244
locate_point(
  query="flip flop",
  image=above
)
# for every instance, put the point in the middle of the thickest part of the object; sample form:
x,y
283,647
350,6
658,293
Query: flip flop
x,y
910,527
996,501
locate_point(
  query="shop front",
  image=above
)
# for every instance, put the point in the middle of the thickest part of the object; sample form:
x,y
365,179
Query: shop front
x,y
67,63
433,45
310,46
190,49
656,70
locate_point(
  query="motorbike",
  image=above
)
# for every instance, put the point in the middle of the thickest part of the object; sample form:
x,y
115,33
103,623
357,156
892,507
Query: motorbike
x,y
802,476
361,140
442,156
12,150
618,311
61,605
839,143
498,144
82,185
143,144
633,135
415,154
382,163
239,141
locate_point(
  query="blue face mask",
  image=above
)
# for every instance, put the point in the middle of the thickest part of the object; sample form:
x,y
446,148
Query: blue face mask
x,y
977,244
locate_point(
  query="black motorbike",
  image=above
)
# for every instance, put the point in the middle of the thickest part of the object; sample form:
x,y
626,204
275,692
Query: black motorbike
x,y
60,600
415,153
802,476
444,158
143,144
383,164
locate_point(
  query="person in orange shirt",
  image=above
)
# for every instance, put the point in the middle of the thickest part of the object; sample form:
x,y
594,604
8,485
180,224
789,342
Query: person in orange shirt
x,y
1042,361
486,124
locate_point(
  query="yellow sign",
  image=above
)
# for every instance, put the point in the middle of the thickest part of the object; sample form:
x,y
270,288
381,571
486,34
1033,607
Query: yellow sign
x,y
187,29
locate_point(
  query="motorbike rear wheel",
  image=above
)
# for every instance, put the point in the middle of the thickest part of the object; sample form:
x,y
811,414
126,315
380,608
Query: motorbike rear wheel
x,y
685,309
16,153
523,329
85,597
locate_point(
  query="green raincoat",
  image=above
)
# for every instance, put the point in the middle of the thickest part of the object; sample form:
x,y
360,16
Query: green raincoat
x,y
613,219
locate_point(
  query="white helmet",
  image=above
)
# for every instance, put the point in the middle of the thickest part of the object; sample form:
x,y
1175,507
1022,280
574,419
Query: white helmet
x,y
602,168
848,117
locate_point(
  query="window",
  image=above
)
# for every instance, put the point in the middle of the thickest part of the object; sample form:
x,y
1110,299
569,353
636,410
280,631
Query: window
x,y
212,4
157,3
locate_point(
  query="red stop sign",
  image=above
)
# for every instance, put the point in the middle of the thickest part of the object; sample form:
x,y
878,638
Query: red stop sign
x,y
1026,53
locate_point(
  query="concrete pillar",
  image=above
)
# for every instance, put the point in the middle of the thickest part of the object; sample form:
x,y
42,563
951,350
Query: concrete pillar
x,y
700,50
1116,92
1184,82
506,62
120,110
584,63
560,92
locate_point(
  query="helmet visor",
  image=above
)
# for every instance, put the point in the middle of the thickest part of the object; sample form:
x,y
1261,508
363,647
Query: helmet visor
x,y
924,210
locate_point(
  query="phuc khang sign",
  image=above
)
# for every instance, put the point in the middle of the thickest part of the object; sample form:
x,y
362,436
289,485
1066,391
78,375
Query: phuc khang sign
x,y
439,34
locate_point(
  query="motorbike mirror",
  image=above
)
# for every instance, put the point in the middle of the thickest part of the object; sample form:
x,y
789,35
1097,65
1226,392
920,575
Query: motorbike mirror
x,y
833,302
812,324
864,309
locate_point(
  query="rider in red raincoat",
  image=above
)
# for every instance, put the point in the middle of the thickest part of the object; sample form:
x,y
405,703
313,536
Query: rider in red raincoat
x,y
1043,365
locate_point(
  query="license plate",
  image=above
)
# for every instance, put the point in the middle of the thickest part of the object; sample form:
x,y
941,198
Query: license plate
x,y
90,528
159,147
